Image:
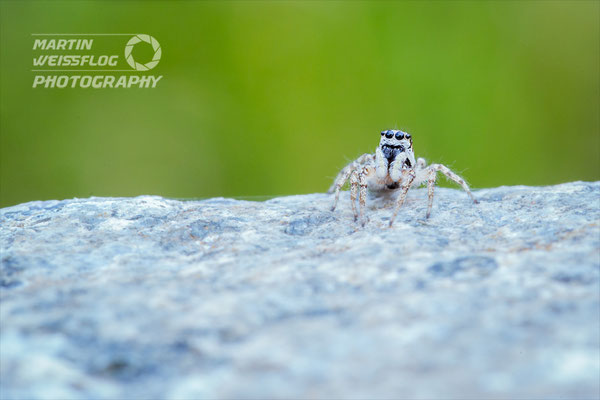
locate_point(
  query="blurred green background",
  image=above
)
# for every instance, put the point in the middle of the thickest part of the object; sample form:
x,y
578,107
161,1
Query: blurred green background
x,y
272,98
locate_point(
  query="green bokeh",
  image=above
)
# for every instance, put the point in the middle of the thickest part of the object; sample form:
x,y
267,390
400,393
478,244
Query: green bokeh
x,y
272,98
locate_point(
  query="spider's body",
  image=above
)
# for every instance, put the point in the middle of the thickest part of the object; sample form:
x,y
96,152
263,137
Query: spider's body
x,y
393,166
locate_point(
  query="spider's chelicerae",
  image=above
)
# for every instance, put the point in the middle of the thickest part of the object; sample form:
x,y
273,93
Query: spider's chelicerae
x,y
393,166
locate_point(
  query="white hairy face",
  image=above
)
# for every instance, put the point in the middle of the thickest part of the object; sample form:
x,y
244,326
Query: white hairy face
x,y
394,142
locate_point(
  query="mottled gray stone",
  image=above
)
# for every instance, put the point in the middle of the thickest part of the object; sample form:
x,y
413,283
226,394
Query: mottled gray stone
x,y
154,298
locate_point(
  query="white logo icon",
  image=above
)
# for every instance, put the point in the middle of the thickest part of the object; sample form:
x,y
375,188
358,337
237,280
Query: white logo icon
x,y
155,46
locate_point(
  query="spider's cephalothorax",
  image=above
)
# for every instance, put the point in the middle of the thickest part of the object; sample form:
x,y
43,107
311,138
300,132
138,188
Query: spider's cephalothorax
x,y
393,166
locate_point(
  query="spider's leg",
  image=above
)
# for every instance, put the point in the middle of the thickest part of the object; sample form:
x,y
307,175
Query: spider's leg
x,y
343,176
432,176
353,190
364,158
408,176
339,182
452,176
362,195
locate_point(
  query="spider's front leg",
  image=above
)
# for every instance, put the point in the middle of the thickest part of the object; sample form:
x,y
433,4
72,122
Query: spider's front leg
x,y
408,176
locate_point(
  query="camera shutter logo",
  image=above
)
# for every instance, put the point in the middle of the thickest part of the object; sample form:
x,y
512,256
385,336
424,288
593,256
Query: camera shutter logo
x,y
155,46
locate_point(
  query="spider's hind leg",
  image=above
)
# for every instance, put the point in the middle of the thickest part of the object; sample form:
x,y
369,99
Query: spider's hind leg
x,y
339,182
362,195
432,176
344,175
353,192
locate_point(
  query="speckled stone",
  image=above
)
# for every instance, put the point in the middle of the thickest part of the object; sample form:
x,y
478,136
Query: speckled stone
x,y
154,298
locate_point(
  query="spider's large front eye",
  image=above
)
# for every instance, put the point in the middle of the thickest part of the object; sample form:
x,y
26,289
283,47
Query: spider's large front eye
x,y
399,135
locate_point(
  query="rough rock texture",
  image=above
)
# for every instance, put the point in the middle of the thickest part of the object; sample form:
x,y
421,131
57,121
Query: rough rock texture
x,y
154,298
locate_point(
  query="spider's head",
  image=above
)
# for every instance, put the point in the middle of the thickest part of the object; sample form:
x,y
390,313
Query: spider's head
x,y
394,142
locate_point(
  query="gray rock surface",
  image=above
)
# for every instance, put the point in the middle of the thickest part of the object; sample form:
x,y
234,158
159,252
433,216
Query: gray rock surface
x,y
154,298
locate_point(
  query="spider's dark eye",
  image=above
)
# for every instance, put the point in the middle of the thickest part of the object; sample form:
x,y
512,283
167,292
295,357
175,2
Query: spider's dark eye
x,y
399,135
382,133
407,136
389,135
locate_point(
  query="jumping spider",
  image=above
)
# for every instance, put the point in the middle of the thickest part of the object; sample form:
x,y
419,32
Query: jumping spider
x,y
392,166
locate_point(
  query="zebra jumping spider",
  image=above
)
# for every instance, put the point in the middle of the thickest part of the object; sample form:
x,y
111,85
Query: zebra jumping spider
x,y
393,166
